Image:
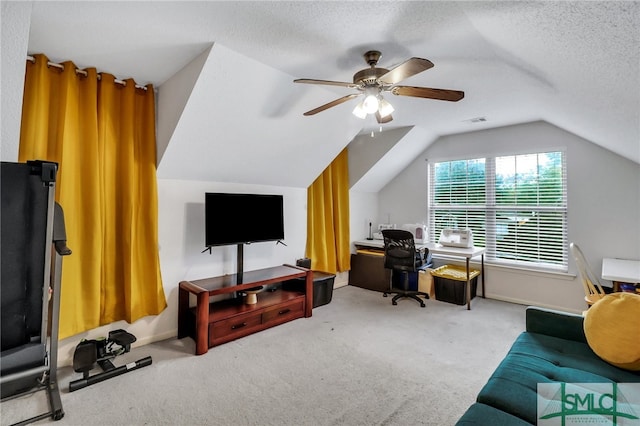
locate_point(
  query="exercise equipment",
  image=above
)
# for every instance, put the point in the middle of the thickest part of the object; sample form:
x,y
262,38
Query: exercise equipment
x,y
102,351
33,241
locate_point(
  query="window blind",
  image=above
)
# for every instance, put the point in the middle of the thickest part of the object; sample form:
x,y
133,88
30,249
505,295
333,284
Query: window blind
x,y
516,206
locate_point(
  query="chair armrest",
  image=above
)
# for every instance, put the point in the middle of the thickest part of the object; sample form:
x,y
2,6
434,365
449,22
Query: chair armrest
x,y
564,325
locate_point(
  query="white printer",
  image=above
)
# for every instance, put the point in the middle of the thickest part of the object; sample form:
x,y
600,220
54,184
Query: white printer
x,y
456,237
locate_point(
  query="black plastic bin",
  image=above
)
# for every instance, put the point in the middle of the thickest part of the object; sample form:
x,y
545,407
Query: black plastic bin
x,y
322,287
449,282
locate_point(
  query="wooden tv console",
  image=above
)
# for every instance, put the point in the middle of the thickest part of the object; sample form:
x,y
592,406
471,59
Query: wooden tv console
x,y
214,323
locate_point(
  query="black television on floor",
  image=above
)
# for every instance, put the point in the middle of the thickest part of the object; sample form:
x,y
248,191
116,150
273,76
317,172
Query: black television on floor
x,y
232,218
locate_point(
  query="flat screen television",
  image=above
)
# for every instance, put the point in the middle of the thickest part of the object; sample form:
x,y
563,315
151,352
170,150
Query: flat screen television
x,y
242,218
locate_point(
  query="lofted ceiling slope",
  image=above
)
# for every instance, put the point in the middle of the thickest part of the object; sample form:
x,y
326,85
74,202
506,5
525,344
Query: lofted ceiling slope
x,y
242,139
573,64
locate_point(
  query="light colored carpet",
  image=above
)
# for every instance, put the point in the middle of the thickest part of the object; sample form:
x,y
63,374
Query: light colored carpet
x,y
358,361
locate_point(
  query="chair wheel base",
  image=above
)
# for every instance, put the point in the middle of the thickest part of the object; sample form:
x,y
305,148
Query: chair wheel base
x,y
411,295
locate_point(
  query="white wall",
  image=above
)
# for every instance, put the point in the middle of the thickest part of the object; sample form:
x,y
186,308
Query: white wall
x,y
365,153
363,209
172,98
603,204
16,18
181,234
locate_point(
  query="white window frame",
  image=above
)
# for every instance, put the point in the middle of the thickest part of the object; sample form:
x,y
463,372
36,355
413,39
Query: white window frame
x,y
546,249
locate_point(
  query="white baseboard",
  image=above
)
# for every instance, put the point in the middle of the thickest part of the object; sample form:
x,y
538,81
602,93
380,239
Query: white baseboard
x,y
530,303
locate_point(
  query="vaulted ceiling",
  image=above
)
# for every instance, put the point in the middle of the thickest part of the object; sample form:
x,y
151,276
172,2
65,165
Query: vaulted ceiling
x,y
230,111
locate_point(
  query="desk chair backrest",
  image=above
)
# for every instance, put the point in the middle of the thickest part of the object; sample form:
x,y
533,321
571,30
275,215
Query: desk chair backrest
x,y
592,288
400,250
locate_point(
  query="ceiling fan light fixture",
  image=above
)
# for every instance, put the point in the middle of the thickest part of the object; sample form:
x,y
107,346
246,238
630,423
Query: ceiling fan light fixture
x,y
359,111
370,104
385,108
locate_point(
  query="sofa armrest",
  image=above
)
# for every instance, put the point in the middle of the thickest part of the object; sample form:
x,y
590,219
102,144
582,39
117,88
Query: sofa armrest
x,y
564,325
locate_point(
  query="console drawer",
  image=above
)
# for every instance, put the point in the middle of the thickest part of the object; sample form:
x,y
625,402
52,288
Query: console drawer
x,y
232,328
283,312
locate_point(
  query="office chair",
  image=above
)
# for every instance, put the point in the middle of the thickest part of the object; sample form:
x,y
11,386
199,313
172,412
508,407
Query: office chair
x,y
400,255
592,288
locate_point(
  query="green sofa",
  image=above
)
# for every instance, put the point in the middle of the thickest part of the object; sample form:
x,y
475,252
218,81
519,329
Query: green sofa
x,y
552,349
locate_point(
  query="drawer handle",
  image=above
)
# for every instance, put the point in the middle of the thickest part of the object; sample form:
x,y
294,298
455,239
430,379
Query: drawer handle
x,y
284,311
236,326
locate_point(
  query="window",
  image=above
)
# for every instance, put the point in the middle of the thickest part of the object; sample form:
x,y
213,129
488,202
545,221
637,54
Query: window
x,y
516,206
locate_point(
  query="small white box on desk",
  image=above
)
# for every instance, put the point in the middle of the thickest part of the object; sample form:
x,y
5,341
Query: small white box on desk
x,y
418,230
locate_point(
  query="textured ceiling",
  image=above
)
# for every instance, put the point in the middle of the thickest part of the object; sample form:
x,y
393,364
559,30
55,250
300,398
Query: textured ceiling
x,y
573,64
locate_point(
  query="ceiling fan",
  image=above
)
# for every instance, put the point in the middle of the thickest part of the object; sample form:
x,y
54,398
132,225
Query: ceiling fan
x,y
372,82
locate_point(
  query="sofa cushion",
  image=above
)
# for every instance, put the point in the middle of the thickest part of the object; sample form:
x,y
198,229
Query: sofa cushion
x,y
550,322
612,327
536,358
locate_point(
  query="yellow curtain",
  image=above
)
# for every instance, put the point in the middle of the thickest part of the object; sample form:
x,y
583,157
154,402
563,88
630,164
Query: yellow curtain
x,y
102,135
328,244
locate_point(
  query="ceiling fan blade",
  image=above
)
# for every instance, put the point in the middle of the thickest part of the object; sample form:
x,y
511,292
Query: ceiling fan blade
x,y
385,119
325,82
331,104
426,92
408,68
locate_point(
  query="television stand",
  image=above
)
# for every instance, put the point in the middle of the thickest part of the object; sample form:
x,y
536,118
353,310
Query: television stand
x,y
213,323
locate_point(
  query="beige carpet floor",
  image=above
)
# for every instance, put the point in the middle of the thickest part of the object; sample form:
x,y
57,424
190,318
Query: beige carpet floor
x,y
357,361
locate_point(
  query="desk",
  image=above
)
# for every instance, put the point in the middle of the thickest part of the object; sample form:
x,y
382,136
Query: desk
x,y
620,271
467,253
368,271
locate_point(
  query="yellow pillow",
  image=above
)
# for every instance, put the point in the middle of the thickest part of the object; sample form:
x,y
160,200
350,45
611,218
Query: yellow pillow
x,y
612,328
